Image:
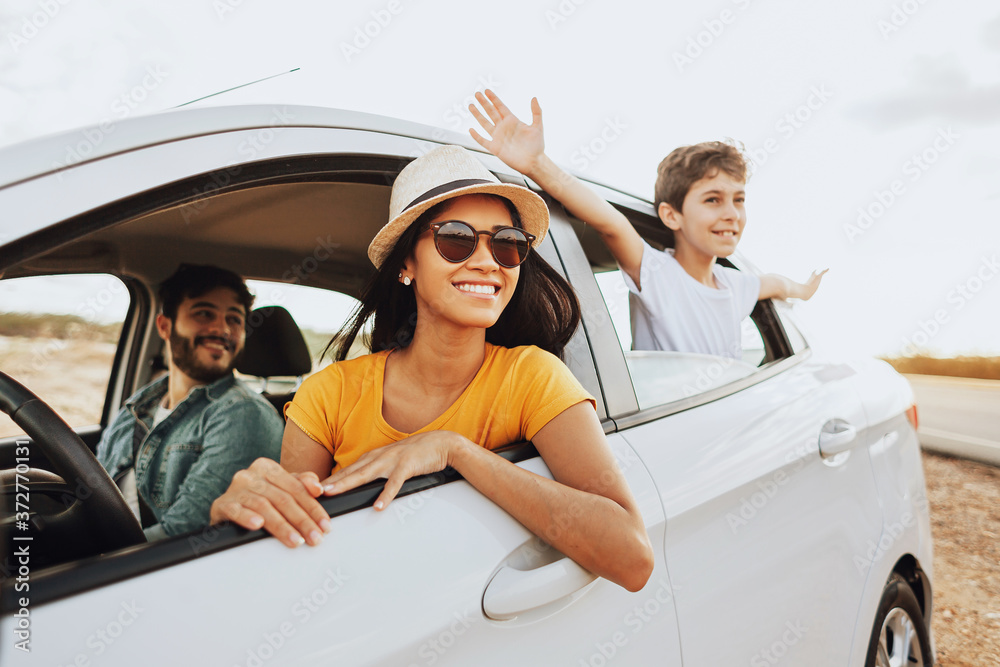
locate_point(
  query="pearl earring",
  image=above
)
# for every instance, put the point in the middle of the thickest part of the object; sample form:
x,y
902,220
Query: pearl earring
x,y
407,281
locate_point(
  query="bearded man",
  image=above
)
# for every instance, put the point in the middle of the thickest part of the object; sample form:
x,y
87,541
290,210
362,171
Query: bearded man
x,y
176,444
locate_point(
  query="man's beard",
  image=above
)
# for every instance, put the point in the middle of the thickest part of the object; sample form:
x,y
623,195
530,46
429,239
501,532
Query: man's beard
x,y
186,360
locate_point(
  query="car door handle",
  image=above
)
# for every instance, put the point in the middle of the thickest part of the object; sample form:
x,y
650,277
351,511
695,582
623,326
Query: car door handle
x,y
513,592
836,436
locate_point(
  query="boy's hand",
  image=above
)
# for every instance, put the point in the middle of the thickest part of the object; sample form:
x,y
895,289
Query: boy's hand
x,y
774,286
811,285
517,144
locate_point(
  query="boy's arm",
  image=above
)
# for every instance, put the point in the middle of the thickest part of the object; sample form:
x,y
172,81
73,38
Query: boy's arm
x,y
774,286
522,147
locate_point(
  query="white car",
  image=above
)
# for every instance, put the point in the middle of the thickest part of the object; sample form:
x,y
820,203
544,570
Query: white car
x,y
783,494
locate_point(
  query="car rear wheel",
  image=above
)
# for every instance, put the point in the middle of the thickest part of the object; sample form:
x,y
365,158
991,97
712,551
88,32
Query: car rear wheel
x,y
899,636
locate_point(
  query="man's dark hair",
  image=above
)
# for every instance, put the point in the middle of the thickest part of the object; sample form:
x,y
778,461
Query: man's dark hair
x,y
190,281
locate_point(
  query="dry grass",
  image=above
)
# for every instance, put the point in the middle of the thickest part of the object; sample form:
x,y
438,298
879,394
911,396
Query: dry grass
x,y
984,368
62,327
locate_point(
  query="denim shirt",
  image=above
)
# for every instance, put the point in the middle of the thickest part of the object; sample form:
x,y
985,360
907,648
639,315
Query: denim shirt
x,y
188,460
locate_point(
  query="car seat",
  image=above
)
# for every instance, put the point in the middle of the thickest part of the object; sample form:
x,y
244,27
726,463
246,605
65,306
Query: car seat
x,y
274,348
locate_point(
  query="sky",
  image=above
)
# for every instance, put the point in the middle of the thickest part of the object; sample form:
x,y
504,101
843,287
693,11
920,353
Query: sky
x,y
873,124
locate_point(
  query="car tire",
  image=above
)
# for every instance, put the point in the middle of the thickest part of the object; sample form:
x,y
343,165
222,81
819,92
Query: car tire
x,y
899,635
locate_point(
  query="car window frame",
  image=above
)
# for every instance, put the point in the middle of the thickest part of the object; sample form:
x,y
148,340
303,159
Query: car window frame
x,y
612,369
121,374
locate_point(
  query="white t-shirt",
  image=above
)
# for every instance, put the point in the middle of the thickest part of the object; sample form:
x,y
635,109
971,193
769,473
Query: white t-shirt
x,y
676,312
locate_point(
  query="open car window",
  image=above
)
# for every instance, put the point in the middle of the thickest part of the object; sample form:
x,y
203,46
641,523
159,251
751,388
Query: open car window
x,y
58,337
665,377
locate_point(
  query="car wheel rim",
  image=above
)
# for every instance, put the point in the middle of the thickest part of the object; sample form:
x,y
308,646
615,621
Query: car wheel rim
x,y
898,642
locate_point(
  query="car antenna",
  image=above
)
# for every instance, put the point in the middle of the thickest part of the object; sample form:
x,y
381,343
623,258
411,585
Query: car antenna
x,y
242,85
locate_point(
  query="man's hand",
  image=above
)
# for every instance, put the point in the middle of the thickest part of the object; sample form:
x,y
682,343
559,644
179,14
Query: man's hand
x,y
284,504
517,144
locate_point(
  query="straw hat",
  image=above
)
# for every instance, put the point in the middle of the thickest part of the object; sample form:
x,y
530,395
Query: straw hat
x,y
444,173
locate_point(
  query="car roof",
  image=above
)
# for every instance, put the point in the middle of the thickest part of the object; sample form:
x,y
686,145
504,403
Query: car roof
x,y
48,154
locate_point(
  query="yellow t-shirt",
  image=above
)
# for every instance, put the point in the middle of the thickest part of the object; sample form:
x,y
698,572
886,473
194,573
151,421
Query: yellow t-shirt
x,y
515,393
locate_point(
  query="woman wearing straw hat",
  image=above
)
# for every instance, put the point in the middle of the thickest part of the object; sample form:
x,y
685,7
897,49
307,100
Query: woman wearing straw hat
x,y
468,328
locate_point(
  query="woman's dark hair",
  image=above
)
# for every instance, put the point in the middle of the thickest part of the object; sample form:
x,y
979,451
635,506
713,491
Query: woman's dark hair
x,y
543,310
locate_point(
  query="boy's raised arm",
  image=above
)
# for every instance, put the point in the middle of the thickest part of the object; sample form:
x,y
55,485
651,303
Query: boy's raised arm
x,y
522,147
775,286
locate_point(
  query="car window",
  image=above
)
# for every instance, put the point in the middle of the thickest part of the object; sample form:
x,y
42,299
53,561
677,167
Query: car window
x,y
58,336
795,338
664,377
319,314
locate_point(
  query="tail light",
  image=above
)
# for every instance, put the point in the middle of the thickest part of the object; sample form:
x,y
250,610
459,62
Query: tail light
x,y
911,416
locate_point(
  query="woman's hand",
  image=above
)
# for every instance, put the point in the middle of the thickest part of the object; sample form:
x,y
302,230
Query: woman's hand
x,y
284,504
519,145
419,454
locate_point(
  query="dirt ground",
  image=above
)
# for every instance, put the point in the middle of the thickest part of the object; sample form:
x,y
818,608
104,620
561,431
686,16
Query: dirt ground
x,y
965,521
71,376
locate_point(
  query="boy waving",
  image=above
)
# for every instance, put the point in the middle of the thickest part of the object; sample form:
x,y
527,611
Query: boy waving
x,y
680,299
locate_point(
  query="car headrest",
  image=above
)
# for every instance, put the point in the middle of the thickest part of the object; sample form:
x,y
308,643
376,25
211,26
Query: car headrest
x,y
275,346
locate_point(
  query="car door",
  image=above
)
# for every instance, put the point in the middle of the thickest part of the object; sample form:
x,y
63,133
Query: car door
x,y
764,531
767,487
443,577
408,586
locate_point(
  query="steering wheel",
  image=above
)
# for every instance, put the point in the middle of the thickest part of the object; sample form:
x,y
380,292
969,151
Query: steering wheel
x,y
104,509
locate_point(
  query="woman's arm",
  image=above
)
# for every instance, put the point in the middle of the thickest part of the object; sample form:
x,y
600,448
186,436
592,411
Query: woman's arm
x,y
588,512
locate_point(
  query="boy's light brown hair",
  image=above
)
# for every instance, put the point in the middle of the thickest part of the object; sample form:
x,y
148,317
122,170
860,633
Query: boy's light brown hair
x,y
689,164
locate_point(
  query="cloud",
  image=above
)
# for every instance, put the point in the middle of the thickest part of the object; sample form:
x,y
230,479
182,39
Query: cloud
x,y
938,87
991,34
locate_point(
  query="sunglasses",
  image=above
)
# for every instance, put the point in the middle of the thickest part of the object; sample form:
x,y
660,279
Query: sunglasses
x,y
456,241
